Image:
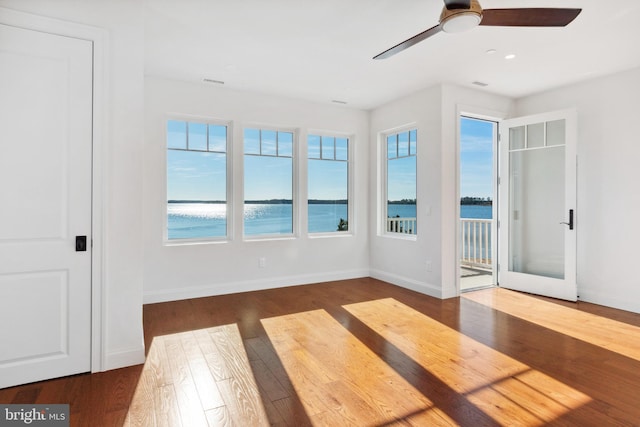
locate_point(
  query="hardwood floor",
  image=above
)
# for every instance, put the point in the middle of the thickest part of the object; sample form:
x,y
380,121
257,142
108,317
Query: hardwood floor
x,y
365,353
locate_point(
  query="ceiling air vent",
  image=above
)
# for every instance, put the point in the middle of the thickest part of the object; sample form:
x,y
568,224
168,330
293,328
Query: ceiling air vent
x,y
218,82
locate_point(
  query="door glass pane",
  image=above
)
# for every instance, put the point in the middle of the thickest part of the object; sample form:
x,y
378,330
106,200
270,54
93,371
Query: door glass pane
x,y
535,135
516,138
555,132
536,209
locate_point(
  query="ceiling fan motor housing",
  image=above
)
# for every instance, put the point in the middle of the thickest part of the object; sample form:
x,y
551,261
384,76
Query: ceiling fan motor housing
x,y
459,20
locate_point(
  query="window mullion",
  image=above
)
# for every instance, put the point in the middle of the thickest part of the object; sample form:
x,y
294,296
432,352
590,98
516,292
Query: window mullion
x,y
334,148
208,148
397,146
187,136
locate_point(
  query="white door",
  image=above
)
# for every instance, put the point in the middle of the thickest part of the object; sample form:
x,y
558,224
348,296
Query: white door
x,y
45,202
537,213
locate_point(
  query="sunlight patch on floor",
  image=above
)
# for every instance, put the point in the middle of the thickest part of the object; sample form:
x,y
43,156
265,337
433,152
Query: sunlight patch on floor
x,y
197,378
502,387
619,337
340,380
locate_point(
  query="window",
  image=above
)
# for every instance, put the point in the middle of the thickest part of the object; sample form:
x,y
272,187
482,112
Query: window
x,y
328,173
401,182
196,180
268,182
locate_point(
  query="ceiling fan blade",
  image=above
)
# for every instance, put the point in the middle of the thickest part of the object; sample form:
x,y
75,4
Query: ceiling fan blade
x,y
529,17
409,42
457,4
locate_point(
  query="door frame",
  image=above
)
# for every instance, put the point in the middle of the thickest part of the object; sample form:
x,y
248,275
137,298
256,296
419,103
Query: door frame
x,y
99,38
487,114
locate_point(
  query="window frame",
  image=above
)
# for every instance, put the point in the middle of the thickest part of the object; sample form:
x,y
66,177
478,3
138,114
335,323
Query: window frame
x,y
228,179
350,181
384,178
294,181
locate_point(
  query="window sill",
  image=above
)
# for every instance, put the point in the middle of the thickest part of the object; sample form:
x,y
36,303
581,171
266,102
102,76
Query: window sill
x,y
328,235
195,242
268,237
400,236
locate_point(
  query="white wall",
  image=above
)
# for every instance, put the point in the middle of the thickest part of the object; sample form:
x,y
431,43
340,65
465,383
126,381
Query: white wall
x,y
435,113
122,137
185,271
398,259
608,208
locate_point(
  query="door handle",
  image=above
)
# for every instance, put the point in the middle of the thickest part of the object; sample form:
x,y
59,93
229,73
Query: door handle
x,y
570,223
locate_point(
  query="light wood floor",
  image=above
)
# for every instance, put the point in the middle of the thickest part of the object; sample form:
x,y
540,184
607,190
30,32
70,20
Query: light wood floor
x,y
365,353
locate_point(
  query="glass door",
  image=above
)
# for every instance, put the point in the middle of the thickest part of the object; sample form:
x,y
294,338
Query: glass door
x,y
537,214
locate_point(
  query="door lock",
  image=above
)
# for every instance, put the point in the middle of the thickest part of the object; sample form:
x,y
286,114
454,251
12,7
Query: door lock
x,y
81,243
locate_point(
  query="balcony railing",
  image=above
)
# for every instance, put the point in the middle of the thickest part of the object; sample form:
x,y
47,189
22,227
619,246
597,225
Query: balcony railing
x,y
476,242
475,250
401,225
475,234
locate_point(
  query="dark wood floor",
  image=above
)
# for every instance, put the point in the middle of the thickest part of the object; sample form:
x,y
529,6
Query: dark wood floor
x,y
363,352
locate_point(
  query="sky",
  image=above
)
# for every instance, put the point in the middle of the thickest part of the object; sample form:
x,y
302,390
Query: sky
x,y
401,183
196,175
476,158
201,175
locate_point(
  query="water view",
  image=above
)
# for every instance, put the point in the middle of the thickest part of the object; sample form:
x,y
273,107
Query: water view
x,y
198,220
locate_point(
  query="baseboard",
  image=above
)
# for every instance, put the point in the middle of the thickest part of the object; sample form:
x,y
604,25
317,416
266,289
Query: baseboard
x,y
165,295
629,304
123,358
406,282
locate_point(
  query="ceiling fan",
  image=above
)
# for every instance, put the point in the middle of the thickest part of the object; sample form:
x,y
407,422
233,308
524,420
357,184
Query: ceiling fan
x,y
462,15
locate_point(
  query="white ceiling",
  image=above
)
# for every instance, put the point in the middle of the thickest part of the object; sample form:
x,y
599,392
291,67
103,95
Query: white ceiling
x,y
322,50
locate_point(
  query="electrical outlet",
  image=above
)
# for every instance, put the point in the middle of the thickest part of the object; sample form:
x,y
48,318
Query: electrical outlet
x,y
428,265
262,262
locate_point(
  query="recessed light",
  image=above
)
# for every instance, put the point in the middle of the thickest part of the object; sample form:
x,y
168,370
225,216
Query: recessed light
x,y
490,51
218,82
510,56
